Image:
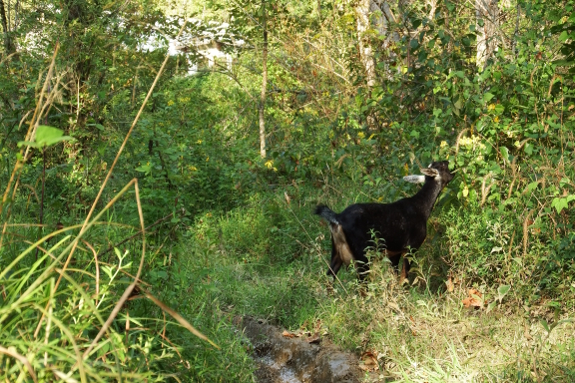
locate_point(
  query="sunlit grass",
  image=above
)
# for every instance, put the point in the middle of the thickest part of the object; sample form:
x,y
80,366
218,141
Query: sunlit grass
x,y
420,333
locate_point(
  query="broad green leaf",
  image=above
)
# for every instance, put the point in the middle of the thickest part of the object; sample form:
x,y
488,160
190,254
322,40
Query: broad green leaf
x,y
144,168
46,136
532,186
504,153
561,203
488,96
491,306
528,149
502,291
459,103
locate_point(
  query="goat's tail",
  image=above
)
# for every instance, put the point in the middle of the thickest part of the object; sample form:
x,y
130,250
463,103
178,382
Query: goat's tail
x,y
326,213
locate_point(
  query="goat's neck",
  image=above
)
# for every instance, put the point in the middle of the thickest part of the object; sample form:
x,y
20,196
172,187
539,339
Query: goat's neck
x,y
426,196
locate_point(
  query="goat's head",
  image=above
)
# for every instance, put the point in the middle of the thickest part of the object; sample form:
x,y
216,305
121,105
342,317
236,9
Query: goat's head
x,y
438,171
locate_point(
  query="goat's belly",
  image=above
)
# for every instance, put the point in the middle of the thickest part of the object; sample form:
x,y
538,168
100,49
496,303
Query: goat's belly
x,y
392,253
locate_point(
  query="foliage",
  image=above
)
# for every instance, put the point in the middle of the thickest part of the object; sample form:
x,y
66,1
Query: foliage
x,y
67,320
230,234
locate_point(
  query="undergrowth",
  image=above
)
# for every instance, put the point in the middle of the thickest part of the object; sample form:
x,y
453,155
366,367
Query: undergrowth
x,y
268,259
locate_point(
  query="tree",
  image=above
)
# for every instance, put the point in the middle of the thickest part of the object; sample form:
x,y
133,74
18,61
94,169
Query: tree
x,y
363,12
487,14
8,43
261,108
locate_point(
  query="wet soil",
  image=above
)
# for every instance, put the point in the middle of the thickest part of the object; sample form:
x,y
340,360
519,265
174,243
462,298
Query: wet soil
x,y
283,357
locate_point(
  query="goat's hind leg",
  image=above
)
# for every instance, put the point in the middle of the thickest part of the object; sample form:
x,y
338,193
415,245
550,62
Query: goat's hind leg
x,y
336,261
404,270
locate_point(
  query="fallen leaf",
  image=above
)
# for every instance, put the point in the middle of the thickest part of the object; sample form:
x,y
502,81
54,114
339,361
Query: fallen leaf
x,y
287,334
313,339
369,361
474,299
449,284
471,302
287,197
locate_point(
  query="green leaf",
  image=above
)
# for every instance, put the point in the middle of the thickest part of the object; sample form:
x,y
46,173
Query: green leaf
x,y
561,203
502,291
144,168
459,103
46,136
544,324
491,306
528,149
488,96
504,153
532,186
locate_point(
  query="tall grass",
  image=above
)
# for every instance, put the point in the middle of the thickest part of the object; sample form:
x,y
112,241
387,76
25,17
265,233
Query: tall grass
x,y
66,313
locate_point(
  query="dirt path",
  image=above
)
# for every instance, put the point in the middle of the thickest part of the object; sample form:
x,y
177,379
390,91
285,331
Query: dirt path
x,y
285,359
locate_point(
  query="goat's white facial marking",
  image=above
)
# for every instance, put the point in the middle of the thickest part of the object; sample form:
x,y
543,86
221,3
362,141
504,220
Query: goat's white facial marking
x,y
414,179
432,172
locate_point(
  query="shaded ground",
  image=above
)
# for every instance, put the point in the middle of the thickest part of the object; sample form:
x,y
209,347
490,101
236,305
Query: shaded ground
x,y
284,358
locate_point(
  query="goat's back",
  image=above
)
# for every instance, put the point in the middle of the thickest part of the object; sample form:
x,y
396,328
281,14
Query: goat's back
x,y
400,225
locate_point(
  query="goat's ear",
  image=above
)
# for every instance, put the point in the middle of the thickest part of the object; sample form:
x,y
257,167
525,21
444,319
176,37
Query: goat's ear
x,y
431,172
414,179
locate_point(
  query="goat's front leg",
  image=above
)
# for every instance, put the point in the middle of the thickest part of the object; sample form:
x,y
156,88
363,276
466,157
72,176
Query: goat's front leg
x,y
394,259
404,270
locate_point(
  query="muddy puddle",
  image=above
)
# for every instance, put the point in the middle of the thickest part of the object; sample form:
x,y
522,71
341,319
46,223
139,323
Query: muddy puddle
x,y
284,357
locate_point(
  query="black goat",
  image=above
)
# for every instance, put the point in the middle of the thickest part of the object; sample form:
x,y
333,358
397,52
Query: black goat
x,y
401,226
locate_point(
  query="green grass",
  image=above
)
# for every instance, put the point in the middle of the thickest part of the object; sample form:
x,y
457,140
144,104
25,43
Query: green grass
x,y
267,259
264,260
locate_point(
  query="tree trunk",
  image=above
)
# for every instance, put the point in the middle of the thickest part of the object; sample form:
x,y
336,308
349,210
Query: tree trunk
x,y
487,14
365,51
383,16
264,85
8,44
